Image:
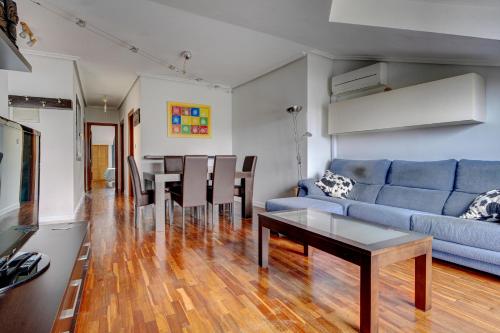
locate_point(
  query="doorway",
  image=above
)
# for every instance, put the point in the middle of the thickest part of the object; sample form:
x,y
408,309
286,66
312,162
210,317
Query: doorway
x,y
102,156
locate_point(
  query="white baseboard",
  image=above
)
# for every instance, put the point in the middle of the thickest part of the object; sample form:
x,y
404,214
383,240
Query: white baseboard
x,y
82,197
9,208
259,204
57,219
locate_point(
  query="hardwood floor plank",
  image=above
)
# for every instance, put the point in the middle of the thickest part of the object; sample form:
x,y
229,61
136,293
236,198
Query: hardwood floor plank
x,y
205,278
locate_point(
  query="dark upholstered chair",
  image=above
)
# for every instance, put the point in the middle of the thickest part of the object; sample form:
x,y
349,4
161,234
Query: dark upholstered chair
x,y
193,191
222,188
172,164
141,198
246,185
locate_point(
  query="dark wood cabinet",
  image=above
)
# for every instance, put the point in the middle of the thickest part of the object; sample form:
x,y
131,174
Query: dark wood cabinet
x,y
50,302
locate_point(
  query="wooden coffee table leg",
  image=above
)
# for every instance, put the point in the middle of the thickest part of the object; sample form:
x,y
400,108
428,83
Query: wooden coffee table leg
x,y
369,296
423,280
306,249
264,234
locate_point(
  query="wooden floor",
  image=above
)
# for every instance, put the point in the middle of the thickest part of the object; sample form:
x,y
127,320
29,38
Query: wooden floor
x,y
205,279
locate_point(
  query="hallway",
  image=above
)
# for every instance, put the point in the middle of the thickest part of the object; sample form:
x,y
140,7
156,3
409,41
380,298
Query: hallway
x,y
206,279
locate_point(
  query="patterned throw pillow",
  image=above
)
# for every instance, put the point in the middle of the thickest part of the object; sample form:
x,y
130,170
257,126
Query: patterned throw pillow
x,y
334,185
485,207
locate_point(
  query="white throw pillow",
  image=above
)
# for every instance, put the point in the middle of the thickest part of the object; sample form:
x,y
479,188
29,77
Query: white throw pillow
x,y
334,185
485,207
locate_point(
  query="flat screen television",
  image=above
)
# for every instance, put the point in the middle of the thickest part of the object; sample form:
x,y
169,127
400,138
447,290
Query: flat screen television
x,y
19,185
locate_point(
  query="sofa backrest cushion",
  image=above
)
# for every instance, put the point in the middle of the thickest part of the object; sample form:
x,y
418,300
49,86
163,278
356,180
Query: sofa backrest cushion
x,y
472,178
423,186
477,176
364,192
435,175
369,176
425,200
362,171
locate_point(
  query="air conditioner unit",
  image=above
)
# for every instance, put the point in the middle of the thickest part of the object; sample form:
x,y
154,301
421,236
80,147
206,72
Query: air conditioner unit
x,y
361,82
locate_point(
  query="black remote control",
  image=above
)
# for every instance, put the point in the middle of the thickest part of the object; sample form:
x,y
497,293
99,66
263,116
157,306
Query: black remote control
x,y
29,263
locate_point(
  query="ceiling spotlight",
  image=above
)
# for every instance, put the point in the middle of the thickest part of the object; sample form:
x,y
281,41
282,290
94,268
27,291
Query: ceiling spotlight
x,y
31,42
105,100
186,55
134,49
81,23
198,79
171,67
25,29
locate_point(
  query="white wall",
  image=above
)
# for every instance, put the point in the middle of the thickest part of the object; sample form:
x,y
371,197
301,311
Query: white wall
x,y
103,135
78,166
96,114
155,93
11,142
319,73
53,78
131,102
4,92
478,141
262,127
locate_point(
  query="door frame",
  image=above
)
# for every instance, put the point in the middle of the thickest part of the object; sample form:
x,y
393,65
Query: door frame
x,y
130,118
88,150
121,171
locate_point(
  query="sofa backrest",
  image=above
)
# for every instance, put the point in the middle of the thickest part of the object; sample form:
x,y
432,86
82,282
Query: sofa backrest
x,y
472,178
423,186
370,176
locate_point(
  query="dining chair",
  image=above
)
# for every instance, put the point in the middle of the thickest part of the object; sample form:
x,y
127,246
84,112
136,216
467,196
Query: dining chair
x,y
173,164
249,165
221,190
193,190
141,198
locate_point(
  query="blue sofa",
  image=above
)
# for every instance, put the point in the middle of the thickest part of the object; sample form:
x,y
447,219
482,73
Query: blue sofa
x,y
425,197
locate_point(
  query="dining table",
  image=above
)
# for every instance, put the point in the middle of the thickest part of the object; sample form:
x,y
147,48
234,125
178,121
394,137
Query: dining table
x,y
159,178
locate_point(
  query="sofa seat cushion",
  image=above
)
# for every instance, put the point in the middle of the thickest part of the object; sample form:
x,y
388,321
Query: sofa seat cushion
x,y
345,203
480,234
466,252
302,203
386,215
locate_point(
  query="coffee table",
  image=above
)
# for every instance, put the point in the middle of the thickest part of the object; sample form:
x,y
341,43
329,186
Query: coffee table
x,y
370,246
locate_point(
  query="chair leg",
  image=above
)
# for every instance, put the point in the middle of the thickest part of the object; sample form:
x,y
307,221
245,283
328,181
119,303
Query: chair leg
x,y
232,211
205,212
183,216
213,213
136,215
171,213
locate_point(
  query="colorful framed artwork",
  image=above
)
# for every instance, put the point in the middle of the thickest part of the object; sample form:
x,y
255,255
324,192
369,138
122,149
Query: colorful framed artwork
x,y
186,120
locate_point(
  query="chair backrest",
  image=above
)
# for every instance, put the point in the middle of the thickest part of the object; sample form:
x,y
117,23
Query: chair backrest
x,y
249,164
194,180
223,179
136,180
173,163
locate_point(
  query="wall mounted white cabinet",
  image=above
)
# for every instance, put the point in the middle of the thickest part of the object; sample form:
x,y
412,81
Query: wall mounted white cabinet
x,y
453,101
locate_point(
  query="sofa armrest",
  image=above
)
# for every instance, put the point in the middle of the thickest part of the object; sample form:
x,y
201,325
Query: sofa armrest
x,y
308,187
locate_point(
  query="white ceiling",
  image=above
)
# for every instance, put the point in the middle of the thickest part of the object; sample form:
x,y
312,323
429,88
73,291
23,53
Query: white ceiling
x,y
477,18
222,53
232,40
